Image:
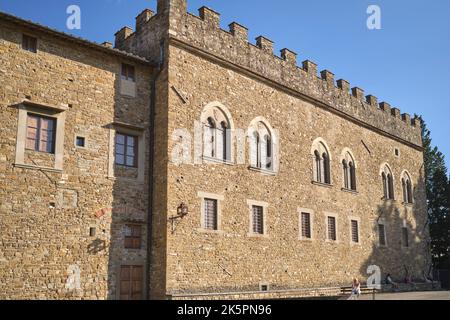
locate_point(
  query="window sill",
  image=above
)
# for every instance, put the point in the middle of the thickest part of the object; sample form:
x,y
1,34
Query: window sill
x,y
321,184
217,161
306,239
40,152
257,236
408,204
128,179
263,171
213,232
31,167
350,191
388,200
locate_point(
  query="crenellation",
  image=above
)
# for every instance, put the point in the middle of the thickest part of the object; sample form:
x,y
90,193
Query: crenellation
x,y
289,56
122,35
239,31
386,107
344,85
328,76
415,122
358,93
164,6
210,16
209,36
395,112
310,67
265,44
372,100
406,117
143,18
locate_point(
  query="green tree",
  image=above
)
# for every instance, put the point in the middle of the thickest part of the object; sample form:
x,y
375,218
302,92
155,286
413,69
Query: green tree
x,y
438,196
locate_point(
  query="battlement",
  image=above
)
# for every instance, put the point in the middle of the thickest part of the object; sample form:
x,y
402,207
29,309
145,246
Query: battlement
x,y
203,32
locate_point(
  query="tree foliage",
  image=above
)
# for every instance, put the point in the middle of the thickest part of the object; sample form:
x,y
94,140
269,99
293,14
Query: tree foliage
x,y
438,197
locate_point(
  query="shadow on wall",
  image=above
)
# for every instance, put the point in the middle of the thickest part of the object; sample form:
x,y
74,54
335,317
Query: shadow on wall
x,y
401,257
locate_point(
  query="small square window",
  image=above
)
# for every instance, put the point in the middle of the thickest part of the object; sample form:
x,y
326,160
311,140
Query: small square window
x,y
29,43
81,142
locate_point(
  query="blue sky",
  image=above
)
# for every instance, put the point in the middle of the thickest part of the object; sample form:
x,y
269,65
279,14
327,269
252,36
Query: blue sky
x,y
406,63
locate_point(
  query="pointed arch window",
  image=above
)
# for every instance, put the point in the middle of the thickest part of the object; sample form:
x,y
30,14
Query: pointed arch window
x,y
321,164
388,183
217,135
261,146
349,172
407,188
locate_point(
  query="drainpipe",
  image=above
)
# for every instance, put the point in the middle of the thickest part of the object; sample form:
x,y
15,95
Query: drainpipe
x,y
154,80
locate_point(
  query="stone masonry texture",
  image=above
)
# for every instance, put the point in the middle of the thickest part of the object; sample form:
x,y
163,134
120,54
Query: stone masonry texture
x,y
184,63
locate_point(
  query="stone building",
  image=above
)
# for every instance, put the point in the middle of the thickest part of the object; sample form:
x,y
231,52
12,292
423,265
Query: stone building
x,y
186,162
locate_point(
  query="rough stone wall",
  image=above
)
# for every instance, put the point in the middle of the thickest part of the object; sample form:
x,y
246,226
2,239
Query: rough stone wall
x,y
208,64
46,216
231,260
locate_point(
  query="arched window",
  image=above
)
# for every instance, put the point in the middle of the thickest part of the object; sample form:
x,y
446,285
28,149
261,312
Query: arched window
x,y
321,162
388,182
349,170
217,126
261,145
210,138
407,188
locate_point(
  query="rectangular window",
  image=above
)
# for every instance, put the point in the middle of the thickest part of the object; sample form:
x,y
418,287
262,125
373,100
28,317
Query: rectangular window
x,y
258,219
131,282
41,133
210,214
128,72
405,237
29,43
126,150
332,229
80,142
306,225
355,231
133,237
381,235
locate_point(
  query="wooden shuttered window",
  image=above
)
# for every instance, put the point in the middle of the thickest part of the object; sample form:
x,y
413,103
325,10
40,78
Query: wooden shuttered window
x,y
405,237
133,236
41,133
131,282
381,235
306,225
210,214
332,229
355,231
258,219
128,72
29,43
